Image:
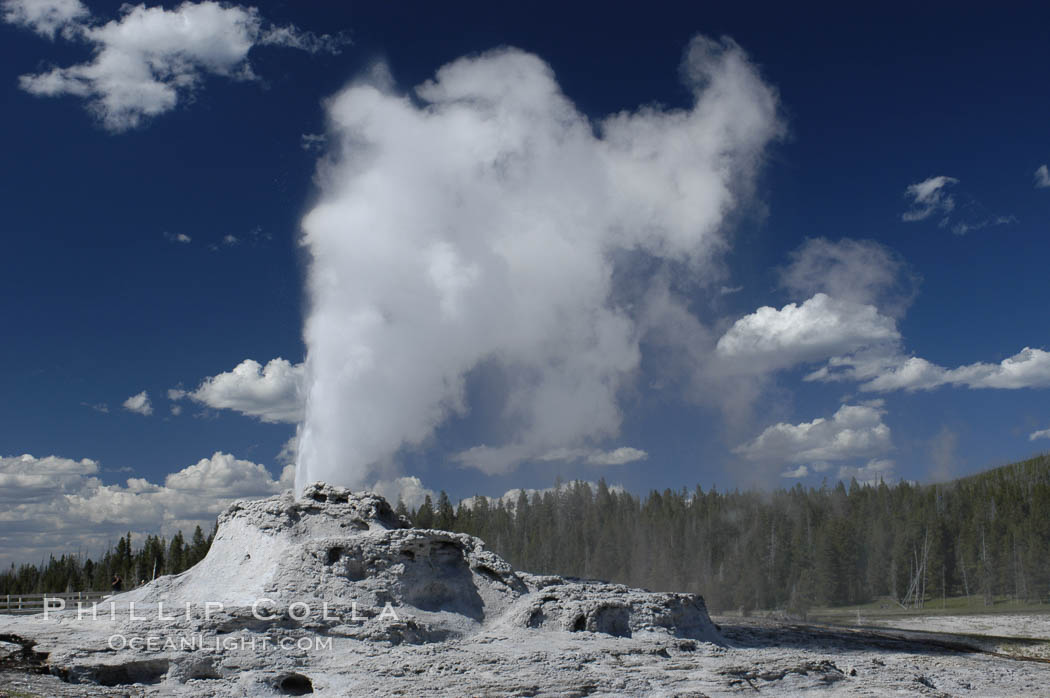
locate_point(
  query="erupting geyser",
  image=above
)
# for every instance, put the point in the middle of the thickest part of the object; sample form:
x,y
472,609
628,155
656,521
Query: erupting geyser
x,y
483,219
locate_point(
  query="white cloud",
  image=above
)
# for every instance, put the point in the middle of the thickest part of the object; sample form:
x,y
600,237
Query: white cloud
x,y
230,240
501,460
273,393
181,237
150,58
800,471
57,505
224,476
510,498
1042,177
493,460
859,271
900,373
872,473
1041,434
98,407
617,456
289,451
502,268
1029,368
139,404
45,17
962,227
770,339
854,431
28,479
929,197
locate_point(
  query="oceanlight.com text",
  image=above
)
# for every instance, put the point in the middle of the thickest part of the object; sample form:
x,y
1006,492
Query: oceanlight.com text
x,y
198,641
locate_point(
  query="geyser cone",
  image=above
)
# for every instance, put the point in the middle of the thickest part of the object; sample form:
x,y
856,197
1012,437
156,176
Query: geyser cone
x,y
336,549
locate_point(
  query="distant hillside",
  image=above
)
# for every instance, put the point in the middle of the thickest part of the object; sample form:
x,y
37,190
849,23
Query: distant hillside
x,y
1033,470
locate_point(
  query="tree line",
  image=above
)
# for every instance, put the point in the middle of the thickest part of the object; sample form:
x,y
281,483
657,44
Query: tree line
x,y
986,537
155,557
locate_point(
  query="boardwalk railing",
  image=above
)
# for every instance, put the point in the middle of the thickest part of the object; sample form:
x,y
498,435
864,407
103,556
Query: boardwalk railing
x,y
34,603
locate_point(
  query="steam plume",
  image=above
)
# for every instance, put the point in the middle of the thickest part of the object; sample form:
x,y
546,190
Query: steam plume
x,y
481,221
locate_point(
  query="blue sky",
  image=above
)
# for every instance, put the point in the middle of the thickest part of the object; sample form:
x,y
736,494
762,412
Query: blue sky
x,y
155,246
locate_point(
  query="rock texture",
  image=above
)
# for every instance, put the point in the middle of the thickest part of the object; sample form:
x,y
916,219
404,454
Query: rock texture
x,y
295,592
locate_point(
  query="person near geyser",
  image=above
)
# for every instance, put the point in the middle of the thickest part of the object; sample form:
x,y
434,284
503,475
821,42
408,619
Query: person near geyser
x,y
117,584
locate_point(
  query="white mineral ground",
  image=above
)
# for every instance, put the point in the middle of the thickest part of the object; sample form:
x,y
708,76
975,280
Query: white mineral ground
x,y
467,624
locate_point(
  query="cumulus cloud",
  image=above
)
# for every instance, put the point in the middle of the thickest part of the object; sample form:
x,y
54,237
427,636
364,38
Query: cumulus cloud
x,y
617,456
223,476
181,237
55,505
45,17
509,499
860,288
1029,368
150,58
272,393
929,197
1041,434
872,473
1042,177
800,471
289,451
32,480
854,291
139,404
479,224
854,431
770,339
858,271
494,460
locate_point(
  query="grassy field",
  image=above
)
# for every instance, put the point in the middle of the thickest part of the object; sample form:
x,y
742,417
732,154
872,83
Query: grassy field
x,y
887,609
